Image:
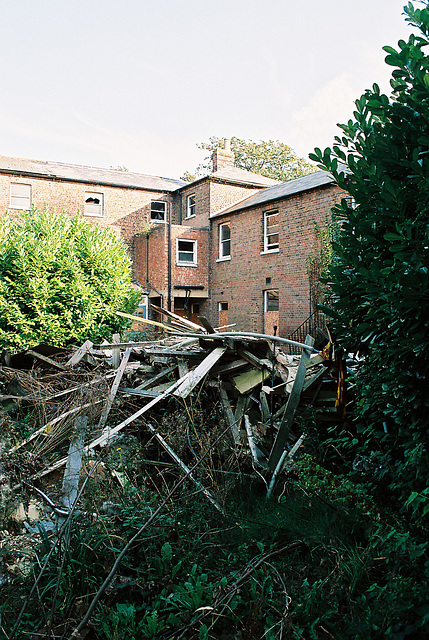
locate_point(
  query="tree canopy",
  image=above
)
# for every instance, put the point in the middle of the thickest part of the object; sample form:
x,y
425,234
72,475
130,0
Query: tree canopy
x,y
379,280
270,158
61,280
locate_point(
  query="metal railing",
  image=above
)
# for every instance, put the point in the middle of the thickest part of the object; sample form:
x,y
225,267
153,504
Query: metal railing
x,y
313,325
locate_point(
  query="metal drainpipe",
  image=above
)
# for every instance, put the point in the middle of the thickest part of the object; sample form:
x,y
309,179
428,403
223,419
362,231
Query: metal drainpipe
x,y
148,284
169,259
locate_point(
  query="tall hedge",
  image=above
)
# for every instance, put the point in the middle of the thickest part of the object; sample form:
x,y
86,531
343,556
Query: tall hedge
x,y
61,280
379,280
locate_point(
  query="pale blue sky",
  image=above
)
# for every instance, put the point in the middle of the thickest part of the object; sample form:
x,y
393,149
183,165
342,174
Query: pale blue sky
x,y
140,82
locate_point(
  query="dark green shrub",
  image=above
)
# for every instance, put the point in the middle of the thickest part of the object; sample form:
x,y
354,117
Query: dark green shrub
x,y
379,278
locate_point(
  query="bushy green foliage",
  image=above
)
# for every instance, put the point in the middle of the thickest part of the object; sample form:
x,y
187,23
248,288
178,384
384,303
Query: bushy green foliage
x,y
269,158
61,280
379,279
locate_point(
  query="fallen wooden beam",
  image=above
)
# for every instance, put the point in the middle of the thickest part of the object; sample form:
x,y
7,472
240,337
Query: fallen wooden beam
x,y
174,316
226,405
39,356
79,354
248,380
193,377
183,466
105,437
162,325
292,403
159,376
114,389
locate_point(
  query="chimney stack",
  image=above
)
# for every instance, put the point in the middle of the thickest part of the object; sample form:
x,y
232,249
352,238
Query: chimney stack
x,y
223,158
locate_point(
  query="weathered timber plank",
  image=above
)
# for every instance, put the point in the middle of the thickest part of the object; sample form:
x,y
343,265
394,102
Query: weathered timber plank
x,y
116,355
114,389
197,374
248,380
159,376
39,356
184,321
226,405
292,403
206,324
79,354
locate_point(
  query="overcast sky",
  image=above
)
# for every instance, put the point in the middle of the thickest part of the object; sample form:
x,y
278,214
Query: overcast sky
x,y
140,82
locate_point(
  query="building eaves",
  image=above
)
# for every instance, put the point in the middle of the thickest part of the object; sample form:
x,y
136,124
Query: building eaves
x,y
87,175
279,191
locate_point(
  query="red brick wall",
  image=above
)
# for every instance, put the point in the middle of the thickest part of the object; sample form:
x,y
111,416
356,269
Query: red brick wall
x,y
242,280
224,195
210,197
157,273
125,210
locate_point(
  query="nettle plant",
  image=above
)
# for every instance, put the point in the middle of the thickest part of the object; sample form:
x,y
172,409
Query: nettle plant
x,y
61,280
379,277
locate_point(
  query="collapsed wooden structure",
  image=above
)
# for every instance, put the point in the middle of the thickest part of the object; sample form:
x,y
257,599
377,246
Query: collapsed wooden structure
x,y
265,393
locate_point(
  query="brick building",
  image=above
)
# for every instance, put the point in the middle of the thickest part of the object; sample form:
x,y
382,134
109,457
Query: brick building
x,y
232,245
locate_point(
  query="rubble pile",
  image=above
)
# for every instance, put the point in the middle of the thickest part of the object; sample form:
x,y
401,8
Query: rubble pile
x,y
78,402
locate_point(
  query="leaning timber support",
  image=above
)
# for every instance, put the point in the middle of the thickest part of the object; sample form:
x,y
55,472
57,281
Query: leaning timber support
x,y
291,406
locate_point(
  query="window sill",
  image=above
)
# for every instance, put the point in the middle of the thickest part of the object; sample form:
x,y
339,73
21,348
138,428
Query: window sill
x,y
225,259
264,253
192,216
18,208
186,264
158,221
93,215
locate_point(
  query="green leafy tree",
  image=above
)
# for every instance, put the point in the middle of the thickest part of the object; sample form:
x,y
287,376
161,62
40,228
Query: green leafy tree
x,y
61,280
379,279
270,158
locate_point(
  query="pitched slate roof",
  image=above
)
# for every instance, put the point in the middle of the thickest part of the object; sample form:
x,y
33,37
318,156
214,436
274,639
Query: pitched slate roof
x,y
282,190
237,176
89,175
234,174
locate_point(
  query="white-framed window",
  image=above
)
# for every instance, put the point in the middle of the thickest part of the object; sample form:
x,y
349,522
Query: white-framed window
x,y
93,204
190,206
186,252
271,300
223,306
224,241
271,231
158,211
20,196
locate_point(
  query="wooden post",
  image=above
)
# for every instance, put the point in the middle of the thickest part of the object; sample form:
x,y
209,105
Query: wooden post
x,y
116,358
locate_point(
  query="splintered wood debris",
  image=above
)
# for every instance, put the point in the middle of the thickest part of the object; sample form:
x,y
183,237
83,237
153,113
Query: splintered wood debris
x,y
263,395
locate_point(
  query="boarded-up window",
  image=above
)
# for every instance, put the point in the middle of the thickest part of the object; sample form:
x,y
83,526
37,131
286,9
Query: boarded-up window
x,y
20,196
223,314
271,311
93,204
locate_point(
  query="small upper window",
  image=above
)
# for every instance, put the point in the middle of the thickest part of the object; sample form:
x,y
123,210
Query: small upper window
x,y
190,206
271,231
224,241
93,204
158,211
20,196
187,252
